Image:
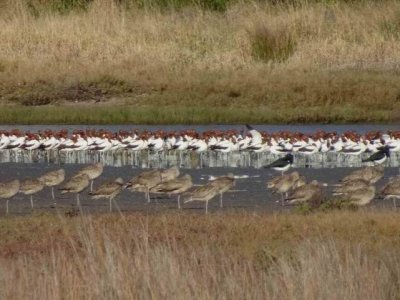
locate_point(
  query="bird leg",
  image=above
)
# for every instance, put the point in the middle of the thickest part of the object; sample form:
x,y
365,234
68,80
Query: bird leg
x,y
148,195
220,200
179,201
91,185
394,203
206,207
110,204
78,202
7,206
52,192
32,201
282,200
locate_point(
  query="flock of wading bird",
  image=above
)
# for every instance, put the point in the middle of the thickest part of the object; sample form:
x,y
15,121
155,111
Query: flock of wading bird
x,y
357,187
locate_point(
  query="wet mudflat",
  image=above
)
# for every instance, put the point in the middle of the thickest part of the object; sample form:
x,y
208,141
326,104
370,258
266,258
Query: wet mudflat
x,y
250,192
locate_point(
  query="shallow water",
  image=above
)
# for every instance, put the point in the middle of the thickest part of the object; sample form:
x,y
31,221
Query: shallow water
x,y
250,195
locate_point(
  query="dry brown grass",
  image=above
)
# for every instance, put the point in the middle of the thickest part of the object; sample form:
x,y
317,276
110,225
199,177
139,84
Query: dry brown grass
x,y
344,255
325,56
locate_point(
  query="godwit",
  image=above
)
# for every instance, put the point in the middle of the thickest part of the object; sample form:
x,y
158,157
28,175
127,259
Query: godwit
x,y
76,185
283,184
392,189
92,171
202,193
282,164
30,187
174,186
369,174
9,190
169,174
350,186
362,196
223,184
108,190
52,179
311,192
144,182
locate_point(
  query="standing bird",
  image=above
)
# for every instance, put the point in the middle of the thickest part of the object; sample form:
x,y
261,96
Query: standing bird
x,y
76,185
52,179
92,171
380,156
223,184
169,174
9,190
282,164
144,182
30,187
108,190
362,196
283,184
174,186
202,193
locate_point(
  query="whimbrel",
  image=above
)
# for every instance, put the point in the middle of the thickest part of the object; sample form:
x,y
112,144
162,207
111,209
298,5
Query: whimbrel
x,y
144,182
169,174
108,190
223,184
350,186
52,179
174,186
9,190
92,171
202,193
76,185
362,196
30,187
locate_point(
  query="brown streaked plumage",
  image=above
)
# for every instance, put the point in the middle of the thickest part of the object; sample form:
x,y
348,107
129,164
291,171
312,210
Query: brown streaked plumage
x,y
108,190
92,171
76,184
30,187
52,179
8,190
370,174
169,174
283,184
311,192
144,182
223,184
350,186
362,196
202,193
174,186
392,190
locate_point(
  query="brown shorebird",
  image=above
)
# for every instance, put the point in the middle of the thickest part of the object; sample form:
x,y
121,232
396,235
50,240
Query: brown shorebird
x,y
283,184
169,174
370,174
174,186
9,190
52,179
311,192
362,196
223,184
92,171
202,193
392,190
350,186
108,190
76,185
144,182
30,187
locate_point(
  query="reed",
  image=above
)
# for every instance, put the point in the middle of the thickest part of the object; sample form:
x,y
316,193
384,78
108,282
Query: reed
x,y
233,255
281,56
